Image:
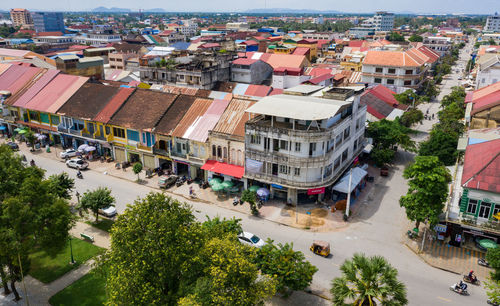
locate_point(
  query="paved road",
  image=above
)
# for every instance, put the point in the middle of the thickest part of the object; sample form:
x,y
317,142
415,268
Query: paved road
x,y
378,230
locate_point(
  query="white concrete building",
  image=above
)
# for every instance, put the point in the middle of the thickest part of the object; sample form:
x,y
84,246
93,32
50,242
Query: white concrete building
x,y
439,44
383,21
97,39
488,70
300,145
492,23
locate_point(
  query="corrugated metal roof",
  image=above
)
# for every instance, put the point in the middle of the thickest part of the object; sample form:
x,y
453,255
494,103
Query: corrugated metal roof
x,y
4,67
114,104
13,52
297,107
56,92
143,110
199,130
197,109
232,121
11,75
42,80
218,95
174,114
258,90
88,101
28,74
240,89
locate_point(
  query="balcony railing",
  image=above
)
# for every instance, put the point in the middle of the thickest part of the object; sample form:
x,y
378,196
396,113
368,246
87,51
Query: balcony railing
x,y
491,225
63,129
143,147
178,154
100,137
75,132
160,151
87,135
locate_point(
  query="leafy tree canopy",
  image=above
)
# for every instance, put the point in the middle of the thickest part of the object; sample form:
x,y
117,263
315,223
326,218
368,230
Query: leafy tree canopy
x,y
97,199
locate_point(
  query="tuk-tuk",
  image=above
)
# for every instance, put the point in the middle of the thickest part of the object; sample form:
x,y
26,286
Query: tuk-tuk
x,y
320,247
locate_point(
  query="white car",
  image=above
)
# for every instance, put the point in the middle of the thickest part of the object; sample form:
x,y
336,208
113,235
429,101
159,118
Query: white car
x,y
69,153
251,239
109,211
77,163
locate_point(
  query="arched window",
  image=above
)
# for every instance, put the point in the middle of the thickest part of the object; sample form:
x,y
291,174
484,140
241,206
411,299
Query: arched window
x,y
219,152
225,152
214,151
240,158
233,156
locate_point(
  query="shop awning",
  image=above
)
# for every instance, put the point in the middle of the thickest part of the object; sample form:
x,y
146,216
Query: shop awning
x,y
223,168
343,185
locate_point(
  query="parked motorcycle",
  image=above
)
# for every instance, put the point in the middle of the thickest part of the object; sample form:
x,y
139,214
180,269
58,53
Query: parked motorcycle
x,y
203,184
483,262
457,289
474,282
189,181
180,181
411,234
259,204
236,201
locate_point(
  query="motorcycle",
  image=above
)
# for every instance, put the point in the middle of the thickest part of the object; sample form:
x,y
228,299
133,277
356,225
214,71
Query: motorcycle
x,y
411,234
474,282
236,201
32,163
259,204
79,175
180,181
490,302
456,289
483,262
189,181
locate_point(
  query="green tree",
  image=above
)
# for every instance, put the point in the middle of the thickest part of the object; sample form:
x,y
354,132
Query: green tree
x,y
161,255
31,216
428,182
382,156
386,134
411,117
407,97
137,168
493,258
442,145
493,290
416,38
61,185
394,36
30,137
248,196
291,269
94,200
368,281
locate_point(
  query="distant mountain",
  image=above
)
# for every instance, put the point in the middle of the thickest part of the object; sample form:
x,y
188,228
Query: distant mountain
x,y
288,11
102,9
155,10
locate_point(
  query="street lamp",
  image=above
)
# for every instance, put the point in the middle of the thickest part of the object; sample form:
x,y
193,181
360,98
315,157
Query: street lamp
x,y
72,262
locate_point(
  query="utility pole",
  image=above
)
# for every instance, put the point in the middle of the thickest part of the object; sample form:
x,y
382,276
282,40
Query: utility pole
x,y
348,204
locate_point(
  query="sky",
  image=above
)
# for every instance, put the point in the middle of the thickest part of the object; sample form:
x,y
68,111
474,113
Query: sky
x,y
358,6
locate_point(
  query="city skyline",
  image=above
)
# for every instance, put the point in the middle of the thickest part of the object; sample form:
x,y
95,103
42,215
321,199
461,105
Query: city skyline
x,y
363,6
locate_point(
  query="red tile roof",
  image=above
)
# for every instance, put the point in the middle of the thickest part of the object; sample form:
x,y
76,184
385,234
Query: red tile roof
x,y
484,98
321,78
244,61
393,58
384,94
210,45
356,43
258,90
301,51
250,43
482,166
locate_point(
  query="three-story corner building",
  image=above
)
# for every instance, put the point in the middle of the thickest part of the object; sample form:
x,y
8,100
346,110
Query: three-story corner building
x,y
300,145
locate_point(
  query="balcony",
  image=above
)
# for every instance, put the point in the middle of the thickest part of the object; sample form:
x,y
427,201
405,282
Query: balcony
x,y
62,129
99,137
87,135
10,118
75,132
491,225
293,161
143,147
178,154
160,151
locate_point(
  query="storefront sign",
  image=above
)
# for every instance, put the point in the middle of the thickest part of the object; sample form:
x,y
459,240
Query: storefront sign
x,y
440,228
277,186
316,191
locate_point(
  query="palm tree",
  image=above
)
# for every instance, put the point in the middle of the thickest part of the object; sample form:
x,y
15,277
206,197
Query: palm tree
x,y
368,281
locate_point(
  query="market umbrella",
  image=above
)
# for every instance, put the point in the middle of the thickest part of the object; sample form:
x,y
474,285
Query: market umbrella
x,y
3,127
18,130
254,188
227,184
89,149
41,136
21,132
488,244
214,181
83,147
217,187
263,192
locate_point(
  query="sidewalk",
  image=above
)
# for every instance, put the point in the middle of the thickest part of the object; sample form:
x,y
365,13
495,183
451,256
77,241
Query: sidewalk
x,y
319,220
449,258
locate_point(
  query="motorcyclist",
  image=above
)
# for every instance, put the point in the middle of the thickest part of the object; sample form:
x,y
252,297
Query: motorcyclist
x,y
79,173
462,286
32,162
472,276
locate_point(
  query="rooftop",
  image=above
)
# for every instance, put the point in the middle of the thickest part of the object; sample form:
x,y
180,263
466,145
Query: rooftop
x,y
482,166
297,107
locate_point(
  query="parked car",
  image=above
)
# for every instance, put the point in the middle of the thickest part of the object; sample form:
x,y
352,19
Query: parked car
x,y
69,153
251,240
109,211
165,181
77,163
13,146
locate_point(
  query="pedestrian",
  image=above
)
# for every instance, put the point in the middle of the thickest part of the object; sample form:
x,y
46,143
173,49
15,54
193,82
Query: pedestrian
x,y
432,116
190,190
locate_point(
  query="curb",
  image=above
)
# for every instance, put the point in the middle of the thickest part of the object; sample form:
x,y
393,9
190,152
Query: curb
x,y
427,262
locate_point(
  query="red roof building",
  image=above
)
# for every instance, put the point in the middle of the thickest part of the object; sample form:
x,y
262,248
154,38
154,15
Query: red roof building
x,y
482,166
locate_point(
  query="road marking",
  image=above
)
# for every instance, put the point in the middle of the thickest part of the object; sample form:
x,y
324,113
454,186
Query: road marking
x,y
446,300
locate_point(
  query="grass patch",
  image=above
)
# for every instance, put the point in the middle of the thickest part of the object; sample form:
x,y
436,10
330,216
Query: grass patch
x,y
47,268
90,290
103,224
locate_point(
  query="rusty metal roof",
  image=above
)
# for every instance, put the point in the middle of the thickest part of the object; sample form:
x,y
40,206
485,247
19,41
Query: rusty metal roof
x,y
195,112
143,109
174,114
232,121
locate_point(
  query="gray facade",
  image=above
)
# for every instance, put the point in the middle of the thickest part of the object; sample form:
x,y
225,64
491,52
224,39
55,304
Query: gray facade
x,y
48,22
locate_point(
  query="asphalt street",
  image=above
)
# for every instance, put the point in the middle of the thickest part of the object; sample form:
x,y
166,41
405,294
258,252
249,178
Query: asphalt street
x,y
378,230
